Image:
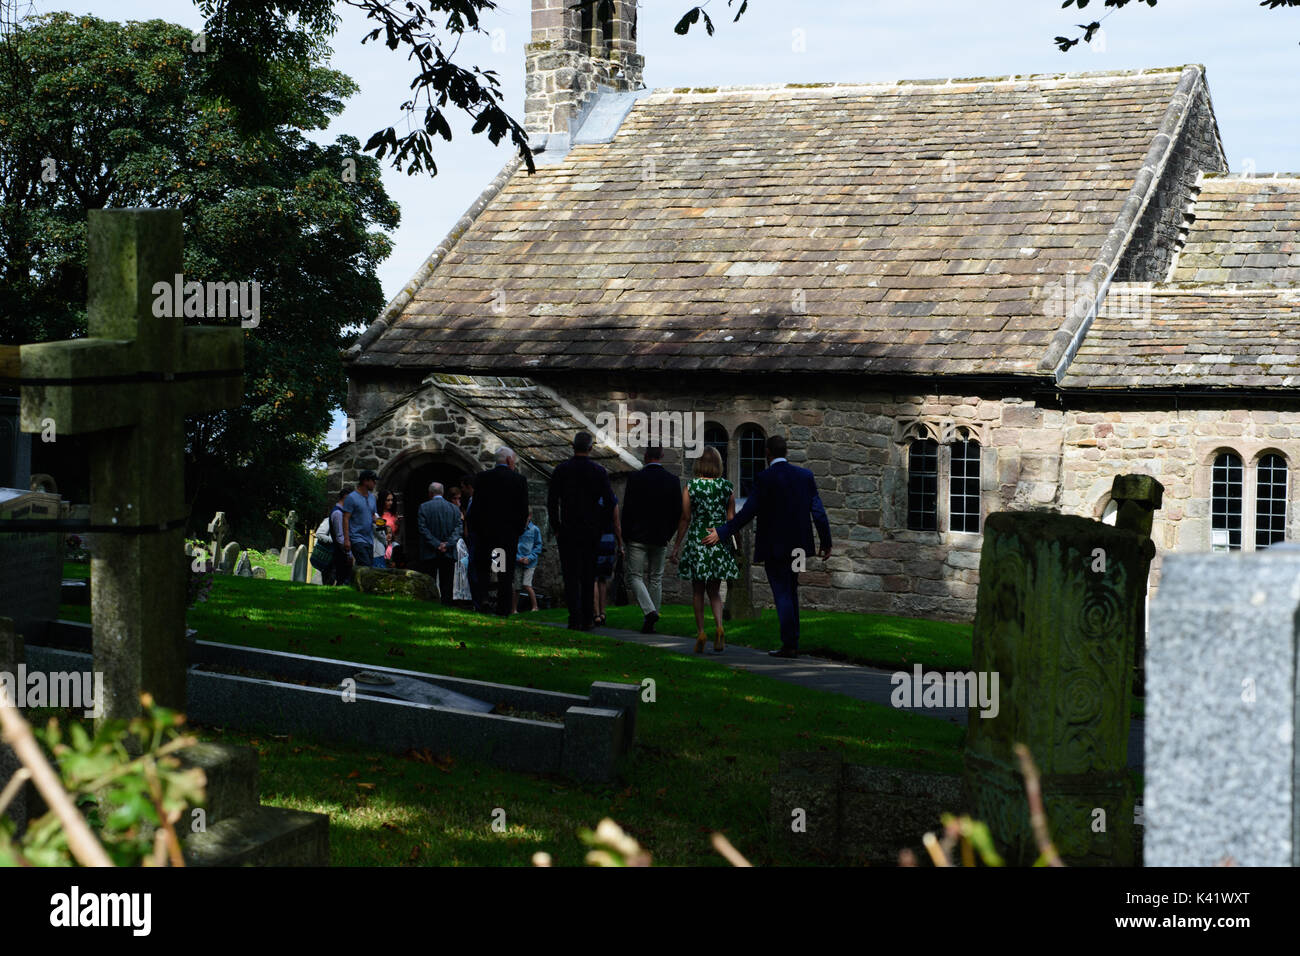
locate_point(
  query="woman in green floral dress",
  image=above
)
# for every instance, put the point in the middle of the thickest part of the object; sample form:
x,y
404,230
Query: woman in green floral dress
x,y
707,502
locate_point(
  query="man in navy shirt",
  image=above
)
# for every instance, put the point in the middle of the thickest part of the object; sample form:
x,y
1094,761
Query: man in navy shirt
x,y
786,503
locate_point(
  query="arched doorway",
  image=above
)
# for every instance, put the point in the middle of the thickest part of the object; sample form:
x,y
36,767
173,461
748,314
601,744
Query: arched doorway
x,y
409,475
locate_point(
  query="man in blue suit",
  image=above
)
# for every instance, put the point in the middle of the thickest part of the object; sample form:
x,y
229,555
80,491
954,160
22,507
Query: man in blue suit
x,y
785,501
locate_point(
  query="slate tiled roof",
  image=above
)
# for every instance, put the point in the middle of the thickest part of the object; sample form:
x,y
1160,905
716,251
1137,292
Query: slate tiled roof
x,y
1246,229
530,418
901,228
527,417
1194,336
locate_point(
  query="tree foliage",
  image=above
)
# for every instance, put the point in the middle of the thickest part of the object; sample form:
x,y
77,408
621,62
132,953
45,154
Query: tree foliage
x,y
96,114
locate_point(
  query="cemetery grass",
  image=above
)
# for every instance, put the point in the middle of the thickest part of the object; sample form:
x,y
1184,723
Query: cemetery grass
x,y
707,747
873,640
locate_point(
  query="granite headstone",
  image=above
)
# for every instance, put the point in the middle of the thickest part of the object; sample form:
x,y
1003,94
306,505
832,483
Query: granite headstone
x,y
228,557
1221,711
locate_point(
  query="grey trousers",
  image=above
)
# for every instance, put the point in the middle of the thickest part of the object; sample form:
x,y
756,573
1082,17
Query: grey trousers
x,y
645,574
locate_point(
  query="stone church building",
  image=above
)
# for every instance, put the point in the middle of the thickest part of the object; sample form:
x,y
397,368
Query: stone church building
x,y
954,297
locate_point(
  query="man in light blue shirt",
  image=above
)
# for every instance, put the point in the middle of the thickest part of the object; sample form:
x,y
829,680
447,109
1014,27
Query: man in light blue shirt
x,y
527,554
359,520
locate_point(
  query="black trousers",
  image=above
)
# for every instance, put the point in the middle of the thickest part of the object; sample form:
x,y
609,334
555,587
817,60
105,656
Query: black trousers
x,y
443,568
578,564
481,573
341,567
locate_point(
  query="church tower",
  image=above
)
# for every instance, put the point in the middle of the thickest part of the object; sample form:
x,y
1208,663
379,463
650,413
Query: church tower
x,y
577,49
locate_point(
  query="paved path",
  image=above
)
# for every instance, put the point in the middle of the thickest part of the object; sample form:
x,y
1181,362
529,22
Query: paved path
x,y
861,683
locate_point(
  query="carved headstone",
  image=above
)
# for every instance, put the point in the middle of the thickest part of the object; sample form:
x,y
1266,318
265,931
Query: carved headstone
x,y
300,565
244,567
1060,600
259,572
1221,711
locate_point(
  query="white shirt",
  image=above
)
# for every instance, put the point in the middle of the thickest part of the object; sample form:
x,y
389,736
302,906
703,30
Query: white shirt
x,y
776,461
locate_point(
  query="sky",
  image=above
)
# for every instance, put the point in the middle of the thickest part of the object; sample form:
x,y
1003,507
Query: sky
x,y
1250,53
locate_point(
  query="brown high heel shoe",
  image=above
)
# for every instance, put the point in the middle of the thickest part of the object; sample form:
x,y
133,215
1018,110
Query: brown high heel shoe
x,y
699,643
719,642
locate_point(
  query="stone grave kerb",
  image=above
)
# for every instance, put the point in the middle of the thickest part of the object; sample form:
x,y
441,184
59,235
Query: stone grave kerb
x,y
128,386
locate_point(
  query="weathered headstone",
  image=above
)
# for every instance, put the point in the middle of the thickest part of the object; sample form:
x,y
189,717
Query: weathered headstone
x,y
228,557
218,527
740,592
128,386
290,538
31,564
1221,711
244,567
300,565
11,655
259,572
1060,600
15,447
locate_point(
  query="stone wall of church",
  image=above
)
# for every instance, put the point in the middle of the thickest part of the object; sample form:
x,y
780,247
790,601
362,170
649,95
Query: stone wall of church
x,y
856,443
1178,448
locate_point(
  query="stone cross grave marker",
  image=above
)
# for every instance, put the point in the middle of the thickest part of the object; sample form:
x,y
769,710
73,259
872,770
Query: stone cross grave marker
x,y
129,386
290,538
218,527
1221,711
1060,601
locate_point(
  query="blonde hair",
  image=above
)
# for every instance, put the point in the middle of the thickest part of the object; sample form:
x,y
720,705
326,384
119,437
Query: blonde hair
x,y
710,464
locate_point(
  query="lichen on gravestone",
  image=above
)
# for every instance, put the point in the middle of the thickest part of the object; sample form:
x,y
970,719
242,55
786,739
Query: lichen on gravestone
x,y
1059,604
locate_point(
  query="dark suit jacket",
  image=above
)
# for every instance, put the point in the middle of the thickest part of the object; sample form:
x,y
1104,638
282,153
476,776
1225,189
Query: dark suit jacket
x,y
652,506
580,502
499,511
784,499
440,523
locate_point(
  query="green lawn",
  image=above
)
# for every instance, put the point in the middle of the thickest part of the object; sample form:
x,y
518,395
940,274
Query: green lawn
x,y
707,746
270,560
873,639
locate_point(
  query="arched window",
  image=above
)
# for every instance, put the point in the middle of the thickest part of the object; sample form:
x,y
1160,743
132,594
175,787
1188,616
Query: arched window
x,y
923,485
1110,513
751,444
715,436
1270,501
1225,503
964,487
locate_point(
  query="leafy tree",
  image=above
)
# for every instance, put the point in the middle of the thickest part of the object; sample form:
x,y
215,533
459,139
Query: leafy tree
x,y
95,114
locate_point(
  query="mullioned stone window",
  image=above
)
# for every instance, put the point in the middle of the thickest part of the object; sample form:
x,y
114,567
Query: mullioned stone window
x,y
1260,490
943,476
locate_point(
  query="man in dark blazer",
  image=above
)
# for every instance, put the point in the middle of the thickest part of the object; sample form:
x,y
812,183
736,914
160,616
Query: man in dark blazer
x,y
439,522
497,517
652,506
579,505
784,499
